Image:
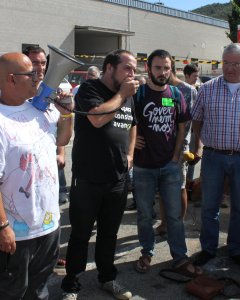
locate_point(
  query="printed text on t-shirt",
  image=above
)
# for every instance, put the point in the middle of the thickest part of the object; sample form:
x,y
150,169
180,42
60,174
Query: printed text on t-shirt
x,y
161,119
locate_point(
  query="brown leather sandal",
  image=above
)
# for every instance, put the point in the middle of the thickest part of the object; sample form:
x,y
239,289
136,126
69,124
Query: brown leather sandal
x,y
143,264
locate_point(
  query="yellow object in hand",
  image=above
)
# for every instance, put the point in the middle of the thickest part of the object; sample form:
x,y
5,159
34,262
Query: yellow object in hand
x,y
188,156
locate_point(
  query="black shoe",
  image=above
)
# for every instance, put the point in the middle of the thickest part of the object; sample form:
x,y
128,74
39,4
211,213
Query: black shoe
x,y
236,258
132,206
202,258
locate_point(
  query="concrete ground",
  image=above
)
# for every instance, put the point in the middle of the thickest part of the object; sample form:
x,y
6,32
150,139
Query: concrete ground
x,y
148,286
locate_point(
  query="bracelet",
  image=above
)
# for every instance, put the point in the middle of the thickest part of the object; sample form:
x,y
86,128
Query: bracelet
x,y
4,225
66,116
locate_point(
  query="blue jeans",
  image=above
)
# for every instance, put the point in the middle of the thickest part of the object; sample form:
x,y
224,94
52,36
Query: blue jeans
x,y
62,181
215,166
168,181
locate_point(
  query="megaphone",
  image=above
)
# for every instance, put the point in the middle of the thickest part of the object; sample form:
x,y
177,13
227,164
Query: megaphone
x,y
60,64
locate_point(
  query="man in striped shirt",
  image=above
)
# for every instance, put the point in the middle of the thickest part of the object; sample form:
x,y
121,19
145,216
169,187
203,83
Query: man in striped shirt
x,y
216,122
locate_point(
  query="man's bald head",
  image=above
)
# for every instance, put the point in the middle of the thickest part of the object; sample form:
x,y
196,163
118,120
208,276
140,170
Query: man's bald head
x,y
16,79
12,63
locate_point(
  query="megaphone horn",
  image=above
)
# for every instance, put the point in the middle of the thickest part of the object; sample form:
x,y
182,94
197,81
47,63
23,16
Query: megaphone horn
x,y
60,64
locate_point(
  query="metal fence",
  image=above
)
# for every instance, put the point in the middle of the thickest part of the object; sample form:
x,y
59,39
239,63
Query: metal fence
x,y
160,9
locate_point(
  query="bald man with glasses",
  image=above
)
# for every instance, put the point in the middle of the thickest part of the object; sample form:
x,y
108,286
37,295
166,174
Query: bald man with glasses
x,y
29,210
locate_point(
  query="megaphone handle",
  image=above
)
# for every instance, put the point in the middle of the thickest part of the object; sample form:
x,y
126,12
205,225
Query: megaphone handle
x,y
39,101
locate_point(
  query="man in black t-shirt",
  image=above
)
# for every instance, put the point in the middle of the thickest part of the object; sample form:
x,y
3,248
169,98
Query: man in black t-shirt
x,y
161,113
101,157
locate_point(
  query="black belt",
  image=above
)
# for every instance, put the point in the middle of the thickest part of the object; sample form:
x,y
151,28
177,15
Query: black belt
x,y
226,152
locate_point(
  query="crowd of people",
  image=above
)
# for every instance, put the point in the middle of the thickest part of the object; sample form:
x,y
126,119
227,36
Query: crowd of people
x,y
131,124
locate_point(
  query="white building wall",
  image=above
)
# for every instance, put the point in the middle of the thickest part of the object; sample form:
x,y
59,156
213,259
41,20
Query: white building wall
x,y
52,22
181,37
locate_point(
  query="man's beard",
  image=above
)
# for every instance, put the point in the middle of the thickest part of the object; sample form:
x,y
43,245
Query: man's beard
x,y
157,82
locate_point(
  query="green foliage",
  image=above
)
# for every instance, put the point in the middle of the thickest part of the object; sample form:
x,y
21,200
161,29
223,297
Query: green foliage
x,y
227,11
215,10
234,21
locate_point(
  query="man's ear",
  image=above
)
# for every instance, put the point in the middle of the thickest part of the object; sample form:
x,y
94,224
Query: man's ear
x,y
10,79
172,76
147,68
109,67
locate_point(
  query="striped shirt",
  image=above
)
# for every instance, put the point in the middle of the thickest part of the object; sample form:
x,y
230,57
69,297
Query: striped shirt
x,y
219,111
190,95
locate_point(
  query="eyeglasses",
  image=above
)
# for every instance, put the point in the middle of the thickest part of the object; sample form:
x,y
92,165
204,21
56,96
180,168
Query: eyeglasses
x,y
32,74
234,65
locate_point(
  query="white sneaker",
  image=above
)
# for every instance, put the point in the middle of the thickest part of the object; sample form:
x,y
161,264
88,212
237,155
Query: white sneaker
x,y
118,291
69,296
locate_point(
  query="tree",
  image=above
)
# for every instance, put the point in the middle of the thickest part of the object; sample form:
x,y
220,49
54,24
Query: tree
x,y
234,21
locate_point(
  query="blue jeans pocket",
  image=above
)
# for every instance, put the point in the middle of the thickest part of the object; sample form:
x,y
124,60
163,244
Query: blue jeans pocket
x,y
208,153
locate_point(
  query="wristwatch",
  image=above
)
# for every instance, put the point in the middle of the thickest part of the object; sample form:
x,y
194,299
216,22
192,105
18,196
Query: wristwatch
x,y
4,225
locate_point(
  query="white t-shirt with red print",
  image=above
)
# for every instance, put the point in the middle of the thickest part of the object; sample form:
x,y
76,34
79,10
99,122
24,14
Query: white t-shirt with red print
x,y
28,169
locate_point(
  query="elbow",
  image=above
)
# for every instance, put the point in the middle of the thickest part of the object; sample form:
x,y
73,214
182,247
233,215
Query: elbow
x,y
62,142
96,122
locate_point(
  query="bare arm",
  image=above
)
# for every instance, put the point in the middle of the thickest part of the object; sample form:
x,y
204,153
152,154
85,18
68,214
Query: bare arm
x,y
65,122
179,142
197,126
7,236
128,88
61,157
140,142
64,130
132,141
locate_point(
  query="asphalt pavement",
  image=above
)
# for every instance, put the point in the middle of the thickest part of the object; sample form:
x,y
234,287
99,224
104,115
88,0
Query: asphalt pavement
x,y
149,286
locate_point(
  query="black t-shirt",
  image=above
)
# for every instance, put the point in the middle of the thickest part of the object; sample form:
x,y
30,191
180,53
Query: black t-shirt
x,y
157,122
99,155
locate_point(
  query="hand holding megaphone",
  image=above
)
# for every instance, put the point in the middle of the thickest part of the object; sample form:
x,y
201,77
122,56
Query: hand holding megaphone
x,y
63,97
63,102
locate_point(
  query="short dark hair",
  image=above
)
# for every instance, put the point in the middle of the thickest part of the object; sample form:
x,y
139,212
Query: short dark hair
x,y
159,53
33,49
114,58
189,69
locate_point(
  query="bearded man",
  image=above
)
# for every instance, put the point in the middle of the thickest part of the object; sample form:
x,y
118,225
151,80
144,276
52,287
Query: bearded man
x,y
161,114
102,155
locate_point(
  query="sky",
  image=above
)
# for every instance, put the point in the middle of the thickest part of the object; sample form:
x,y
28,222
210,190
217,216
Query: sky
x,y
187,4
